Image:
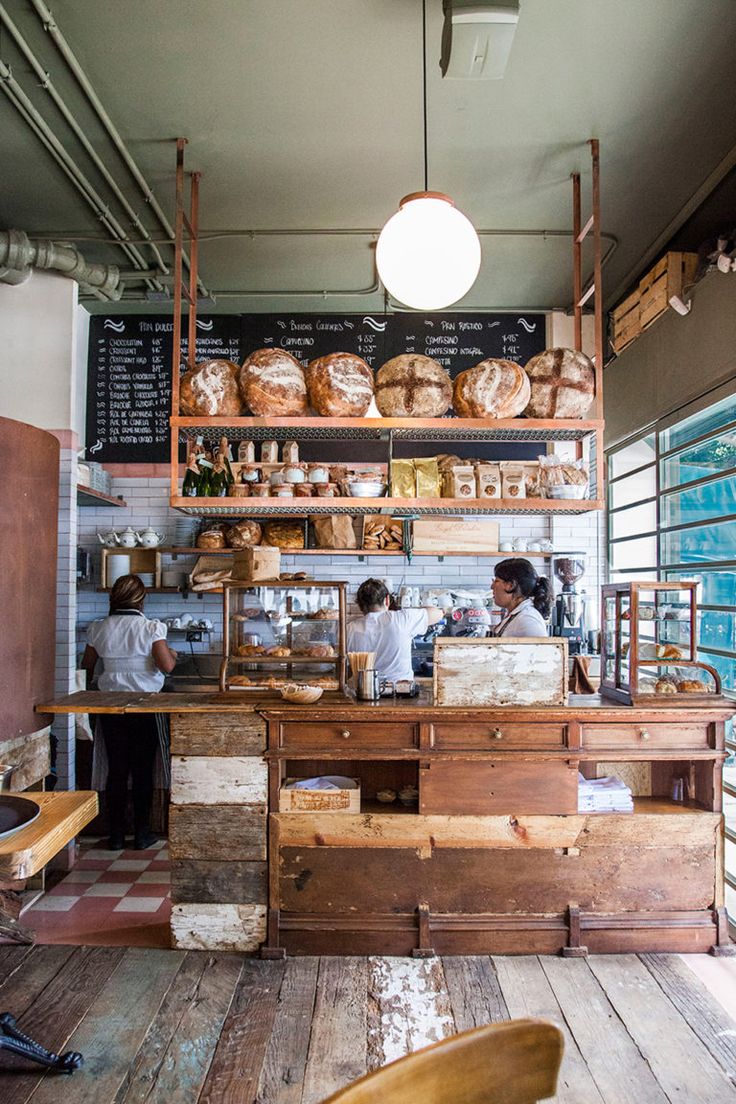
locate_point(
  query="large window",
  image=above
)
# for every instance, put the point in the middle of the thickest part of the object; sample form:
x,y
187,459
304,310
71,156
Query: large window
x,y
672,515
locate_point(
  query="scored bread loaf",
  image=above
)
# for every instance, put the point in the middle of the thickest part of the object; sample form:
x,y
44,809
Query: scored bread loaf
x,y
339,385
243,534
210,390
272,384
283,534
562,384
413,386
492,389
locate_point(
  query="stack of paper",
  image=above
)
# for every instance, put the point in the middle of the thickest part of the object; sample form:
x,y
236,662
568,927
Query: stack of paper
x,y
604,795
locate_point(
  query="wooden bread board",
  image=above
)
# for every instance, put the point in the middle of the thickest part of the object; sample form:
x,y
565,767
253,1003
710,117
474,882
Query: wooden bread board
x,y
511,671
455,535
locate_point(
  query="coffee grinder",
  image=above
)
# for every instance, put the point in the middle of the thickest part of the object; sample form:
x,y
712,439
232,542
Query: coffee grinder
x,y
568,612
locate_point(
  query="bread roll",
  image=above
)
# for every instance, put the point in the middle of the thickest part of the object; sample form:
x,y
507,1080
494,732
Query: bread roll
x,y
411,386
492,389
210,390
339,385
272,384
243,534
562,384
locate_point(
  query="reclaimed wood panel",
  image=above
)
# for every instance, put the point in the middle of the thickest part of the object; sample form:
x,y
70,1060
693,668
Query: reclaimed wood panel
x,y
217,832
337,1046
221,927
474,991
216,780
237,1062
498,787
680,1062
408,1007
31,756
598,879
508,671
611,1055
528,994
238,883
286,1055
63,815
218,733
26,976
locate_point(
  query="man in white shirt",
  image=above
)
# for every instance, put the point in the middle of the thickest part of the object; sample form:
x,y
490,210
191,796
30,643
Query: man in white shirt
x,y
386,632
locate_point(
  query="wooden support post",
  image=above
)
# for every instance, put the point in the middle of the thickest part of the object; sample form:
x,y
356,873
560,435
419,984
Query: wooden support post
x,y
574,948
424,950
723,947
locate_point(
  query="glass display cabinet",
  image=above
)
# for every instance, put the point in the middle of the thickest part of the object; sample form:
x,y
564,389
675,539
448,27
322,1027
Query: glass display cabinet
x,y
279,633
649,633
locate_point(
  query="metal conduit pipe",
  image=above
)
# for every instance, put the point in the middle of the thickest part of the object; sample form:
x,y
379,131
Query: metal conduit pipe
x,y
38,125
49,25
48,86
19,255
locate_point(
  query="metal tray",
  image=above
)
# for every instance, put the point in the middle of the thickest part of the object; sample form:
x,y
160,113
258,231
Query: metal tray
x,y
15,813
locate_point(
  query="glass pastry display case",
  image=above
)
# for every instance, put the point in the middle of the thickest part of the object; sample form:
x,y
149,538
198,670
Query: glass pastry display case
x,y
283,632
649,634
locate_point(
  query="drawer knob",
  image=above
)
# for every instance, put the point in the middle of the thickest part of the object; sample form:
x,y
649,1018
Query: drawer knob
x,y
497,734
644,734
345,734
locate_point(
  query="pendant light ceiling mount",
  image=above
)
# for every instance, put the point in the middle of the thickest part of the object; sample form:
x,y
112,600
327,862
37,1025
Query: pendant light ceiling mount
x,y
428,253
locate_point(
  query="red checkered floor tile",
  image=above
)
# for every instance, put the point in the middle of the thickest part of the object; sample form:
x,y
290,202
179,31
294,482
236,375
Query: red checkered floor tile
x,y
109,899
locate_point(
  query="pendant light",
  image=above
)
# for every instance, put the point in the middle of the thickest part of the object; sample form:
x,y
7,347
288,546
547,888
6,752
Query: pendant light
x,y
428,253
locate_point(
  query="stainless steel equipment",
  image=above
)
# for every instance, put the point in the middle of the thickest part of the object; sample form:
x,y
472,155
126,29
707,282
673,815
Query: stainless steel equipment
x,y
370,686
568,613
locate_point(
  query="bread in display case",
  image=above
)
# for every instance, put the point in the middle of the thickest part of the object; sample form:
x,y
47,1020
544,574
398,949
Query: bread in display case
x,y
649,634
283,632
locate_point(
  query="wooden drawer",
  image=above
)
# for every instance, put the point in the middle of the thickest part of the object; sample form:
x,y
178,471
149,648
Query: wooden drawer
x,y
483,735
498,788
642,736
347,734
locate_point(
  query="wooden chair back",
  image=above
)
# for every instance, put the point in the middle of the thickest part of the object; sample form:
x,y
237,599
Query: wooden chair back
x,y
506,1063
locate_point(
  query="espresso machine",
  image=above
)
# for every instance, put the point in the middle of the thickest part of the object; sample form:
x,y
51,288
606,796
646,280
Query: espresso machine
x,y
568,612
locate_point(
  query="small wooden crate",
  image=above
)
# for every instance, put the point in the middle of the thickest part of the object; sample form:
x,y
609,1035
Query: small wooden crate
x,y
625,322
668,277
142,560
513,671
455,535
319,801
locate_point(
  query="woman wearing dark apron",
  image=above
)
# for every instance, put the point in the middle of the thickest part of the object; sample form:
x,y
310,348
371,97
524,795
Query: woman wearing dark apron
x,y
135,658
524,597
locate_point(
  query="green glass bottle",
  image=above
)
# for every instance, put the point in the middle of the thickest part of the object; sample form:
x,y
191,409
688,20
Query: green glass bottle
x,y
204,489
226,454
190,486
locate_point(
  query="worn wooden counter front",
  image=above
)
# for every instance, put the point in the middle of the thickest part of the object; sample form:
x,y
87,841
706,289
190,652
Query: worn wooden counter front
x,y
494,858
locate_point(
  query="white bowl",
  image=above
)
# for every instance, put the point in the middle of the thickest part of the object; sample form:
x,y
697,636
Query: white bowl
x,y
366,490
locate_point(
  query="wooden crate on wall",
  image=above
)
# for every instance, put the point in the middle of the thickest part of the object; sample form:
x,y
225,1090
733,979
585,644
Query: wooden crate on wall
x,y
669,277
625,322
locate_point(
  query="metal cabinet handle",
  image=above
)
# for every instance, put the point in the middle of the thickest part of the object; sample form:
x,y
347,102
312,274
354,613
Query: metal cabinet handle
x,y
345,734
497,734
644,734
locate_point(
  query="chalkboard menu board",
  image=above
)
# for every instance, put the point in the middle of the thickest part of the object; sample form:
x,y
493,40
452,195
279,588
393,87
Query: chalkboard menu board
x,y
128,383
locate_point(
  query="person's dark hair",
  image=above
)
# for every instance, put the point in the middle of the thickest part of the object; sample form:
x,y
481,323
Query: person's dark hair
x,y
371,594
521,574
128,592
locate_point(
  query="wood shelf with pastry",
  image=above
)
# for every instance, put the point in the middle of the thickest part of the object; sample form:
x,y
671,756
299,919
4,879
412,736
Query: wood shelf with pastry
x,y
284,507
360,552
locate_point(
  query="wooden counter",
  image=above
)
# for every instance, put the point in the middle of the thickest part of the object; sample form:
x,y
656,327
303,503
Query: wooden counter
x,y
494,858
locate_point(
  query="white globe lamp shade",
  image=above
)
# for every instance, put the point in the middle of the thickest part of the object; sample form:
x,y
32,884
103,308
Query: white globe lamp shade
x,y
428,253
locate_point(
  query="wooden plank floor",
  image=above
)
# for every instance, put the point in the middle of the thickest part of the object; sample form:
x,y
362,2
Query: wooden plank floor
x,y
169,1027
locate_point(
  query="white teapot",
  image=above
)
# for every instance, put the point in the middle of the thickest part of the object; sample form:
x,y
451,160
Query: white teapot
x,y
109,539
128,538
149,538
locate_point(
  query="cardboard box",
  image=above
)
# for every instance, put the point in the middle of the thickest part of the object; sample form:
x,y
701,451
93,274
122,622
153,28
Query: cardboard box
x,y
257,565
319,801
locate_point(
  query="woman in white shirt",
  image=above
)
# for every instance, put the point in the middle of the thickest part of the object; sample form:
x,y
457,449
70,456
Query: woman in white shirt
x,y
524,597
135,657
386,632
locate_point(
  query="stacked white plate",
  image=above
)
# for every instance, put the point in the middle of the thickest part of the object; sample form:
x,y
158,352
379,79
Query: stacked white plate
x,y
185,531
147,578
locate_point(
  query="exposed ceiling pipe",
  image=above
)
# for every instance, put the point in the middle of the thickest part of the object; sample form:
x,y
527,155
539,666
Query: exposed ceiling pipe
x,y
49,25
48,86
38,125
19,255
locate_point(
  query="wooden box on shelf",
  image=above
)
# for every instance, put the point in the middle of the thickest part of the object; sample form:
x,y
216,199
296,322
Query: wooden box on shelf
x,y
649,646
143,561
319,801
455,535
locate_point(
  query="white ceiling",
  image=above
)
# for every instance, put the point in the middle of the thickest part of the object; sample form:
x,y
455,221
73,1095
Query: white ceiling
x,y
307,115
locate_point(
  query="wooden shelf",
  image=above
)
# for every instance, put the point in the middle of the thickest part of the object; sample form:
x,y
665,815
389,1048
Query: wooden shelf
x,y
362,552
397,507
86,496
149,590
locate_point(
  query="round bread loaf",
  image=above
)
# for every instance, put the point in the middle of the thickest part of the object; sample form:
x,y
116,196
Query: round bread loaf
x,y
272,384
210,390
492,389
284,534
243,534
562,384
412,386
339,385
